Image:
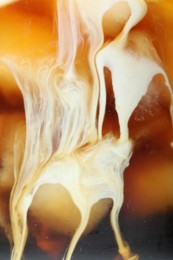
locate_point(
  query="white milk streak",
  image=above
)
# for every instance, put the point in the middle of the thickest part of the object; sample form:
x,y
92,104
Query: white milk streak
x,y
6,2
62,144
128,92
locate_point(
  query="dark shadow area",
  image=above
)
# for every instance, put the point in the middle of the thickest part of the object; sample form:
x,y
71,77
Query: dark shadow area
x,y
149,237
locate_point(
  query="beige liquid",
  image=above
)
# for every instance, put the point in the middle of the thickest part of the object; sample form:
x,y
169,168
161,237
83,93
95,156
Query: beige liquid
x,y
65,104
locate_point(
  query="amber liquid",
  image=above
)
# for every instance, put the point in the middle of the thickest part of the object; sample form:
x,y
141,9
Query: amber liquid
x,y
148,179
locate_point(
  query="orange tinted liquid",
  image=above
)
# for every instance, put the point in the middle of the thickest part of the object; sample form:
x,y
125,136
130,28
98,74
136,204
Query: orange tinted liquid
x,y
148,177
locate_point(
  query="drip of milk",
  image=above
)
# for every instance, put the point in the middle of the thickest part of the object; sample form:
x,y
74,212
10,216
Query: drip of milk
x,y
63,143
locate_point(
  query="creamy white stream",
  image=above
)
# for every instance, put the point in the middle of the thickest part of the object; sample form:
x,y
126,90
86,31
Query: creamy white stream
x,y
64,141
